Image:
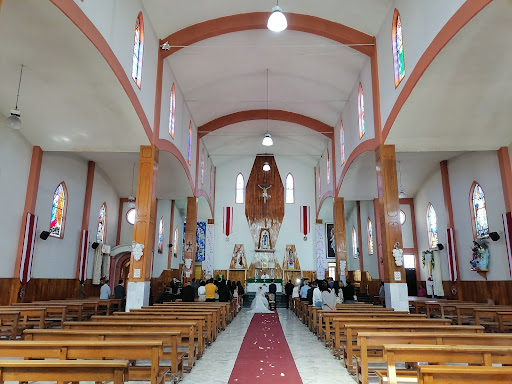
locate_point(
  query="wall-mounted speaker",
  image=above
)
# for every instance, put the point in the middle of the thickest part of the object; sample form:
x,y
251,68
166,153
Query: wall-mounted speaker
x,y
494,236
95,245
440,246
170,245
44,235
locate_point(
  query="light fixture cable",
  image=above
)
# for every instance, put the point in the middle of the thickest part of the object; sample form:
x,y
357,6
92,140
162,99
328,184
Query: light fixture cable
x,y
19,86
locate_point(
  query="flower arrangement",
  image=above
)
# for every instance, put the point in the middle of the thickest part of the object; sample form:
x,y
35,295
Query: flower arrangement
x,y
429,252
480,257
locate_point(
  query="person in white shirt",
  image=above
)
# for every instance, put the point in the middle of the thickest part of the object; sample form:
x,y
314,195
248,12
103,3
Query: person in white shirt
x,y
317,297
105,291
295,292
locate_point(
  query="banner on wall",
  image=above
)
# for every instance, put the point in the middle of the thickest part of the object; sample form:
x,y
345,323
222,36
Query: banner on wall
x,y
320,251
227,224
305,220
450,250
27,253
507,225
208,253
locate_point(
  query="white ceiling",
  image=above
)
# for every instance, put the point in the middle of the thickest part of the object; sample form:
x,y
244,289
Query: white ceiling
x,y
69,100
168,17
463,101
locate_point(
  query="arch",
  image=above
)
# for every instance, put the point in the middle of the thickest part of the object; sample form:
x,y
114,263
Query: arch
x,y
342,143
59,211
161,225
478,209
360,109
369,230
172,111
340,33
240,189
289,189
101,230
138,50
263,114
432,227
398,48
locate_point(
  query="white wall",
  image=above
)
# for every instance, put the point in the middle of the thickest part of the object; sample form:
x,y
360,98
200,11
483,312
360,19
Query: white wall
x,y
421,22
289,232
15,156
126,228
407,234
370,262
160,259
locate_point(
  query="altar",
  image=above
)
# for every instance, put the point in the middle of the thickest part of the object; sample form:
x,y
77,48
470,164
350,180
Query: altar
x,y
254,284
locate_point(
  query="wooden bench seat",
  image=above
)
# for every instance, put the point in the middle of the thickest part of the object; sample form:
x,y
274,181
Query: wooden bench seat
x,y
63,370
170,340
224,308
371,345
9,321
29,317
54,317
96,350
463,375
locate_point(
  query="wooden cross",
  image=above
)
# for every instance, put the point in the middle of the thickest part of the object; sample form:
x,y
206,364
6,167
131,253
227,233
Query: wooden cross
x,y
189,246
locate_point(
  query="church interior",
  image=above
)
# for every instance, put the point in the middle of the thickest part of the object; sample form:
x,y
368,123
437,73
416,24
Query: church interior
x,y
259,142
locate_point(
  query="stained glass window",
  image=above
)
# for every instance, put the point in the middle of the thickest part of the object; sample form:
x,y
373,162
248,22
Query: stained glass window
x,y
172,111
328,169
202,167
354,243
369,228
138,50
239,192
403,217
398,48
189,153
161,236
432,226
290,198
175,243
360,106
101,233
130,216
481,226
58,216
342,144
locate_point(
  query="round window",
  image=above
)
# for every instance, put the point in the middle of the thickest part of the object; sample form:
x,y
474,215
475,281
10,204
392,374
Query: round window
x,y
130,216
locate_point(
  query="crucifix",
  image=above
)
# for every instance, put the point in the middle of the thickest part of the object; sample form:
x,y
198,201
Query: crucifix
x,y
189,247
265,195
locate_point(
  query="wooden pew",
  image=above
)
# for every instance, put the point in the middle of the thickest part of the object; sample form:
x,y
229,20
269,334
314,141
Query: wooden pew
x,y
442,354
223,307
188,330
55,315
430,374
313,312
170,339
95,350
29,317
9,321
73,310
371,345
504,321
63,370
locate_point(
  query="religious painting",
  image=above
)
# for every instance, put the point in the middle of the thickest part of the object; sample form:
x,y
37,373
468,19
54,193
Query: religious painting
x,y
330,241
160,247
291,261
238,260
100,233
265,242
200,240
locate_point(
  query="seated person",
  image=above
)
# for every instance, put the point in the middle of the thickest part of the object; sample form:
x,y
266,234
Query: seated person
x,y
422,292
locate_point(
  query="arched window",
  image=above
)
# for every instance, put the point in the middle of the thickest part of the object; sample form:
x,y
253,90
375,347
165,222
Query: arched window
x,y
360,106
328,169
290,198
161,236
319,181
211,180
239,192
398,48
202,167
432,226
369,229
354,243
130,216
342,144
58,217
138,50
101,233
189,153
175,242
172,111
479,212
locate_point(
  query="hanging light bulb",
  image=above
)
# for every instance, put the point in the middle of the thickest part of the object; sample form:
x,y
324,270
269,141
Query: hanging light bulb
x,y
266,167
131,198
277,20
14,121
267,140
401,190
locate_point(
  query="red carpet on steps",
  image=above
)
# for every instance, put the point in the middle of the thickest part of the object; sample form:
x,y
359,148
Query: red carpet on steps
x,y
264,356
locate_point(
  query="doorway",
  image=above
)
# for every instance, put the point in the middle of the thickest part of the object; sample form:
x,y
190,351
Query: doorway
x,y
410,274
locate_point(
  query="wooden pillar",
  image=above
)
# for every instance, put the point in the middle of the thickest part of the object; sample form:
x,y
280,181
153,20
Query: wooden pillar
x,y
144,228
86,214
340,238
389,222
451,246
378,237
506,176
30,207
360,239
190,240
171,236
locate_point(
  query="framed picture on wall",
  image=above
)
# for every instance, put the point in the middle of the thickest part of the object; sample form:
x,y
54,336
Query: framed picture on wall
x,y
329,241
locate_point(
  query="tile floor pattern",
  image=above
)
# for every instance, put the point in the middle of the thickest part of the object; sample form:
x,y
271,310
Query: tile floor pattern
x,y
314,362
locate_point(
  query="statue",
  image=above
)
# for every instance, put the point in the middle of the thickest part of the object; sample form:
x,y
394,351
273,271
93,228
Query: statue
x,y
291,259
265,188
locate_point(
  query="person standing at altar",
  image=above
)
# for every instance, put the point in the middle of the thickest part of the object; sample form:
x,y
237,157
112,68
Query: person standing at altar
x,y
265,276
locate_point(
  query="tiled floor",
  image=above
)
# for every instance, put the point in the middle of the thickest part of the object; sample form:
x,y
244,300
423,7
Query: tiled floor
x,y
314,362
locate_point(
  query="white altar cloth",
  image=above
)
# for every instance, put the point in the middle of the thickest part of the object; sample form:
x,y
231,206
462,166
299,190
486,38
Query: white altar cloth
x,y
253,287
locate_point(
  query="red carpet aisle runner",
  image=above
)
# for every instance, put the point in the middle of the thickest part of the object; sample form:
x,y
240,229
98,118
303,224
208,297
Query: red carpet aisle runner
x,y
264,356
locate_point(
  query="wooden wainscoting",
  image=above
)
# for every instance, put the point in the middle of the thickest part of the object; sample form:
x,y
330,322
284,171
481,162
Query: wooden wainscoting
x,y
479,291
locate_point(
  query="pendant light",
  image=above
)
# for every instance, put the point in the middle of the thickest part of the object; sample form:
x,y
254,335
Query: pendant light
x,y
131,198
14,121
401,190
267,139
266,167
277,20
